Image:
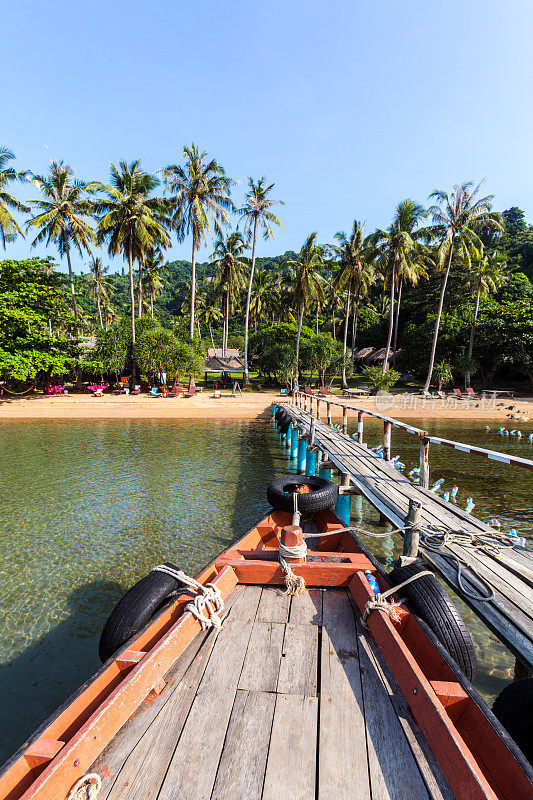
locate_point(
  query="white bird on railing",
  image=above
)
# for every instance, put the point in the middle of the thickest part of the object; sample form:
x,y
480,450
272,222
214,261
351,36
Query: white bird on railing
x,y
470,505
447,496
436,486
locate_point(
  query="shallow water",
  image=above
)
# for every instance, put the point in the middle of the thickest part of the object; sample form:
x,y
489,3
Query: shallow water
x,y
87,508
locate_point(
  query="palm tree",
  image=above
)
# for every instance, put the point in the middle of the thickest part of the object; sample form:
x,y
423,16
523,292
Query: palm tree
x,y
256,213
410,272
61,215
154,269
9,228
349,251
262,290
130,221
201,196
98,287
457,220
487,274
395,250
230,264
306,281
208,311
364,279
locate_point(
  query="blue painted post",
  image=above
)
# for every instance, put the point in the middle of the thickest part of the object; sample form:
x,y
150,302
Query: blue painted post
x,y
288,435
274,409
343,506
325,472
310,462
294,442
302,456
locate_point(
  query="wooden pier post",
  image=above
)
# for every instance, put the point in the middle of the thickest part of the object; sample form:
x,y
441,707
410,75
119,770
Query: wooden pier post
x,y
360,415
411,536
343,505
387,428
318,408
312,432
302,453
424,461
328,407
344,420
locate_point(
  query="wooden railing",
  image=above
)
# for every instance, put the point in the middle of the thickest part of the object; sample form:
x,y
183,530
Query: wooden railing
x,y
306,402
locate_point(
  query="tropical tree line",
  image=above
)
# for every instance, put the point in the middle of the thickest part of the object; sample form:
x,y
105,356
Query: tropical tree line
x,y
458,240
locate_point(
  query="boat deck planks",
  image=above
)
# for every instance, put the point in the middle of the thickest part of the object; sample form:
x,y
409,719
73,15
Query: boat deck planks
x,y
329,725
510,613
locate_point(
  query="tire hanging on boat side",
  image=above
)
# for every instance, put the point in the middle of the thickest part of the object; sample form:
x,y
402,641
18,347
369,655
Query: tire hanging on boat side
x,y
429,600
134,610
322,493
514,708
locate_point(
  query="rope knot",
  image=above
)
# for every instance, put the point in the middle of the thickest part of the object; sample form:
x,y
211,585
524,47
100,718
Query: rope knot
x,y
207,604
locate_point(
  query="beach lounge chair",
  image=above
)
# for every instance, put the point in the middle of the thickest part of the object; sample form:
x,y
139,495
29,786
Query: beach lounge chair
x,y
137,389
441,394
191,392
154,392
323,390
217,394
283,391
458,393
471,393
309,390
177,390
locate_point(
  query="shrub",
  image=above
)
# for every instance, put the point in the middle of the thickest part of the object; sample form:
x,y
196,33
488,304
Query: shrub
x,y
378,381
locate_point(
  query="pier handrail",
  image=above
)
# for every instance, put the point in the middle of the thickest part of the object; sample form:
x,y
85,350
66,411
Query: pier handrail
x,y
425,437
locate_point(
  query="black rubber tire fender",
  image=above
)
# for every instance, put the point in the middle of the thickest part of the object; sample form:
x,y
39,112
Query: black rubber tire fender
x,y
322,496
284,425
430,601
134,610
279,412
514,708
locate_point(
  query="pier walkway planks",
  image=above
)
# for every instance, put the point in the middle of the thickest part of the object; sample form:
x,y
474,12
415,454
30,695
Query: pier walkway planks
x,y
322,722
510,573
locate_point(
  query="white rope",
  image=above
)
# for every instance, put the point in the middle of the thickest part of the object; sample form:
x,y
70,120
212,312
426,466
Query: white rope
x,y
379,601
207,604
295,583
86,788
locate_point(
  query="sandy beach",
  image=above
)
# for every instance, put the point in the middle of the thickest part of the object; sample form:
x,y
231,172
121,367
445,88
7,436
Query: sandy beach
x,y
249,406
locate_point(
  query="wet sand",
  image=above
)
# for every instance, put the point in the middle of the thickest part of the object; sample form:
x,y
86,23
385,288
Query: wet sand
x,y
250,406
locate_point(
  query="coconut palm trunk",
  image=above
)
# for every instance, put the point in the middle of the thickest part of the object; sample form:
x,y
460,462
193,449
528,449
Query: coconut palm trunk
x,y
345,340
132,300
391,320
71,278
227,323
99,306
397,318
193,280
472,331
298,335
437,322
246,376
355,320
152,303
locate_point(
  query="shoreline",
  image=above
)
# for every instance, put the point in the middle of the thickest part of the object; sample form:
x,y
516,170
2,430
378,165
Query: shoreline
x,y
252,406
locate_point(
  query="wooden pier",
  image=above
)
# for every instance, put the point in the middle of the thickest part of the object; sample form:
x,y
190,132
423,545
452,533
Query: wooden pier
x,y
507,571
289,700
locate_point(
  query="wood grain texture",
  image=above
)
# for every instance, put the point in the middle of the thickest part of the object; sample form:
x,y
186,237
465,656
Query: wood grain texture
x,y
193,768
298,669
306,608
244,757
343,763
274,605
291,766
261,665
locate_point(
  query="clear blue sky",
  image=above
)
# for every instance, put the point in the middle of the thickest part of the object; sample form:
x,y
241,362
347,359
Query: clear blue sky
x,y
348,106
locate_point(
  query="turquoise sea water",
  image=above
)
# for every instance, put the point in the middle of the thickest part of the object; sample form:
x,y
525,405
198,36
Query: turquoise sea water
x,y
87,508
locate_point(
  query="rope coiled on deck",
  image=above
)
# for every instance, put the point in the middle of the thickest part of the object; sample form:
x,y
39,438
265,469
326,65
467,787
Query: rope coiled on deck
x,y
207,604
86,788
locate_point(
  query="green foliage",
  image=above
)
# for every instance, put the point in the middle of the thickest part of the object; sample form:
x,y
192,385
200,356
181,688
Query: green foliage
x,y
33,300
443,373
324,354
381,382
